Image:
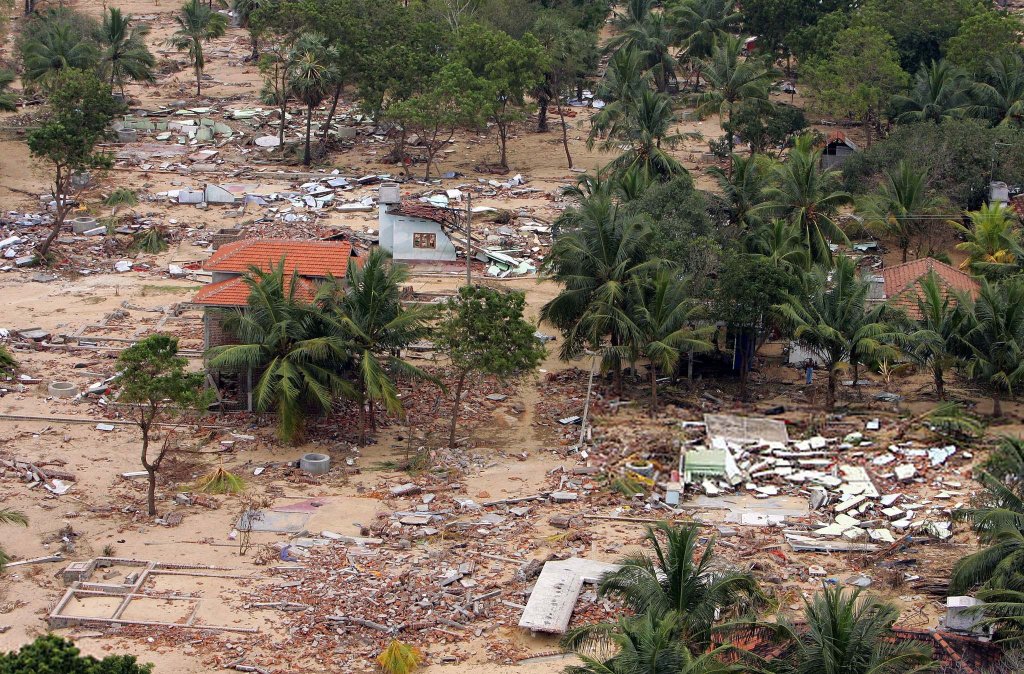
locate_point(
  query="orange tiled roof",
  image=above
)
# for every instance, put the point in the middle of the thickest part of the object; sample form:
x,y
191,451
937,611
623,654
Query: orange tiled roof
x,y
235,293
902,289
314,259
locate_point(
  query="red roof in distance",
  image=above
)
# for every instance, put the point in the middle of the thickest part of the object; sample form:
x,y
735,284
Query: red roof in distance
x,y
311,259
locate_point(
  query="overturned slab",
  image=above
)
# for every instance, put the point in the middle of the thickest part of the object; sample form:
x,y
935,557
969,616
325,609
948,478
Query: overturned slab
x,y
745,429
554,595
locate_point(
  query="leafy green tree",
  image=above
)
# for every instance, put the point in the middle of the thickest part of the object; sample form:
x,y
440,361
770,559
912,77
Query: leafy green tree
x,y
981,38
299,354
679,578
933,342
835,322
124,52
376,327
595,263
10,516
244,11
483,331
961,156
666,319
81,110
921,29
50,654
649,644
849,632
808,197
154,383
643,127
767,128
939,91
746,286
903,207
732,80
993,243
858,76
56,40
454,99
995,338
312,78
513,67
1000,95
197,23
775,22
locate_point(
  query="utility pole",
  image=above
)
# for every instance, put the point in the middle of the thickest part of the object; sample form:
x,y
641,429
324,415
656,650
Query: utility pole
x,y
469,239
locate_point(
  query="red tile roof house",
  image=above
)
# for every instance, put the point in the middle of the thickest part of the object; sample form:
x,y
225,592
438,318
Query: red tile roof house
x,y
900,287
313,261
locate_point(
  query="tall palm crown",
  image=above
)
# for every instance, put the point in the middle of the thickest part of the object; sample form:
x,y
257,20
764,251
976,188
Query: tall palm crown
x,y
934,340
61,42
643,124
835,322
682,580
994,337
289,341
999,521
743,188
125,54
1000,95
376,327
993,243
809,197
651,34
848,633
197,23
649,644
902,206
702,23
313,75
731,80
781,243
939,92
595,262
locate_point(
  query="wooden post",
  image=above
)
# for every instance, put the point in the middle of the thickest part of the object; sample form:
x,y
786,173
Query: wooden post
x,y
469,239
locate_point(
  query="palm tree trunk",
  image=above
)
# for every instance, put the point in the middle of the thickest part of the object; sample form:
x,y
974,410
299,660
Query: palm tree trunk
x,y
362,420
542,114
565,134
199,80
334,109
307,157
373,416
830,400
997,405
654,391
940,385
455,407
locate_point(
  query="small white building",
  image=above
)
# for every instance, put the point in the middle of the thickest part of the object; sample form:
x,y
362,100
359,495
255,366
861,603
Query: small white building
x,y
415,231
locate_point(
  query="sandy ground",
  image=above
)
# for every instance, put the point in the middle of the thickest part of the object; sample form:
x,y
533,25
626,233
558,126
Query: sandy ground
x,y
103,509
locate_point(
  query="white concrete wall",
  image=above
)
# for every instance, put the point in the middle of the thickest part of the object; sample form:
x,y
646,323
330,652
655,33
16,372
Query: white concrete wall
x,y
396,236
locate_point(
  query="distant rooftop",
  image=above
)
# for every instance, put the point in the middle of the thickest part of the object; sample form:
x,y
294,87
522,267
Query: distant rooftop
x,y
311,259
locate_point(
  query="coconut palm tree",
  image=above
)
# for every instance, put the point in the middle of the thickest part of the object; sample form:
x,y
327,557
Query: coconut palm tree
x,y
243,11
849,633
993,243
54,41
10,516
781,243
994,336
197,23
933,342
699,24
312,77
293,344
124,51
732,80
835,322
8,102
743,188
680,580
1000,95
652,36
998,519
808,197
595,262
939,91
666,325
1006,461
376,327
902,207
624,80
644,125
649,644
